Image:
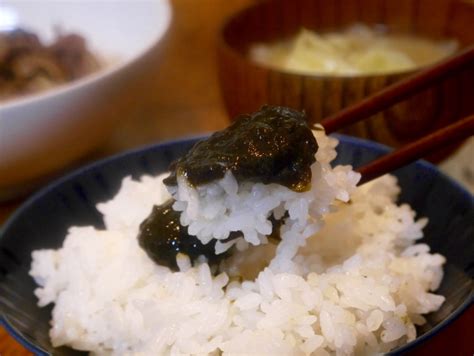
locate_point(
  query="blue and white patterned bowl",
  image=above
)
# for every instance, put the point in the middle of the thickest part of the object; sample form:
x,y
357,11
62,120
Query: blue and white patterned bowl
x,y
43,220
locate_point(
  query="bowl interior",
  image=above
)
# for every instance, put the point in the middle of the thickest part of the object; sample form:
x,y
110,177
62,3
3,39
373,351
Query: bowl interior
x,y
42,222
115,30
273,20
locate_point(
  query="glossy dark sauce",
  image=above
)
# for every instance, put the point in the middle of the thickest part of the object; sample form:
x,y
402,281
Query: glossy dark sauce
x,y
273,145
162,237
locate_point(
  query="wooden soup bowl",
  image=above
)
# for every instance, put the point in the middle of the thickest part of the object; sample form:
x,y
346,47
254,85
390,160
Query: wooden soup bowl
x,y
247,85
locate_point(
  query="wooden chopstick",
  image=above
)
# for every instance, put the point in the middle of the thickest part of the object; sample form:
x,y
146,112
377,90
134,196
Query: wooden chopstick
x,y
396,93
399,91
450,134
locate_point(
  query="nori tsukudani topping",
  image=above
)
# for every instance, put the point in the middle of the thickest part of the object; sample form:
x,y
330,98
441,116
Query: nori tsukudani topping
x,y
162,237
273,145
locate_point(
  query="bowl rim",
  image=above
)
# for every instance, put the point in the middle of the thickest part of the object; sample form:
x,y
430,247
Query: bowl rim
x,y
225,45
104,72
191,139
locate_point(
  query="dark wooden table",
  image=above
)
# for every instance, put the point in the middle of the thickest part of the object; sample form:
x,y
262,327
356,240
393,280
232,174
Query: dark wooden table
x,y
180,98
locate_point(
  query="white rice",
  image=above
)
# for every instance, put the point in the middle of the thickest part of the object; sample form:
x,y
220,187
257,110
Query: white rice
x,y
347,278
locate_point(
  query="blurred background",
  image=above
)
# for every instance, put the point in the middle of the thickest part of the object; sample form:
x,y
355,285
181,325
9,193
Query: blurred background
x,y
173,93
172,90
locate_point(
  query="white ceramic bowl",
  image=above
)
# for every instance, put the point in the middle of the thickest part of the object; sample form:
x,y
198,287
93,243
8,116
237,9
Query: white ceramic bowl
x,y
42,133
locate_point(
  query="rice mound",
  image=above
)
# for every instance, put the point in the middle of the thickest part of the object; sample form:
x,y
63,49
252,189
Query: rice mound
x,y
349,279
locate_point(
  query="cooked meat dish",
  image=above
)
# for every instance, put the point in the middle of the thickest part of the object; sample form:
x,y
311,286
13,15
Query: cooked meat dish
x,y
27,65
